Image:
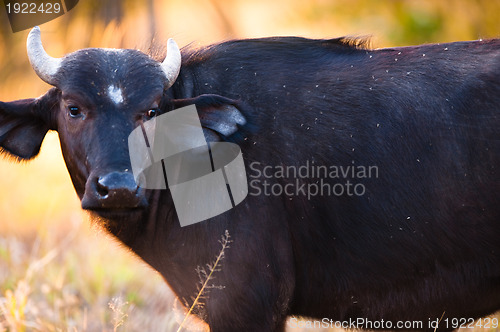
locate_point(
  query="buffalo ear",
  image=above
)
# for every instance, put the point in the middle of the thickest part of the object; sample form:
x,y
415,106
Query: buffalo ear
x,y
220,115
24,123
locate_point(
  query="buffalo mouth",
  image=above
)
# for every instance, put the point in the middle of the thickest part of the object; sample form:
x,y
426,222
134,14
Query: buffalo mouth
x,y
116,213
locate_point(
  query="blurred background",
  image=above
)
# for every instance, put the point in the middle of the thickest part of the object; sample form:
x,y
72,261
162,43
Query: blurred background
x,y
58,272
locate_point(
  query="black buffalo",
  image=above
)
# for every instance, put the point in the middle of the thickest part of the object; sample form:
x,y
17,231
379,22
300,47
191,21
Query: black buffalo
x,y
419,240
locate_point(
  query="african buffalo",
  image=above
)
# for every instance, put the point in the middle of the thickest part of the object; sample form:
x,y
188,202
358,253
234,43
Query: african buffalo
x,y
413,130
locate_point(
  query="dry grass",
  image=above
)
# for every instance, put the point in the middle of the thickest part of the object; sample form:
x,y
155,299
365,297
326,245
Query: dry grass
x,y
79,282
206,275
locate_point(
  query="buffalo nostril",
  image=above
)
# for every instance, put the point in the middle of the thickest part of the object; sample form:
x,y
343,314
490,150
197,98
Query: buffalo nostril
x,y
116,183
117,186
101,188
115,190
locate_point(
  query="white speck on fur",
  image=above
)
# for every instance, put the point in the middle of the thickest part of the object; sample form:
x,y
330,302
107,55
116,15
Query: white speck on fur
x,y
115,94
113,50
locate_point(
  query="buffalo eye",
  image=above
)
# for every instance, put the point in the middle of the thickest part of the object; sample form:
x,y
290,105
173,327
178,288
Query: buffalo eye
x,y
152,113
74,111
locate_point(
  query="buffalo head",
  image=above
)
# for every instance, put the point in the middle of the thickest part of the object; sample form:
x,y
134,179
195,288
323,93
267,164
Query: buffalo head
x,y
99,97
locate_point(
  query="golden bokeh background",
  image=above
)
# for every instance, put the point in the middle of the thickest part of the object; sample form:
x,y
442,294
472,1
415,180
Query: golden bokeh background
x,y
37,201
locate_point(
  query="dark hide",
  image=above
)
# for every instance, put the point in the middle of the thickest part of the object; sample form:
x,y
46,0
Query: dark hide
x,y
420,243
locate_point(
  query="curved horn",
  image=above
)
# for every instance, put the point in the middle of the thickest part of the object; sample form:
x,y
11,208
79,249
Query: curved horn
x,y
172,63
44,65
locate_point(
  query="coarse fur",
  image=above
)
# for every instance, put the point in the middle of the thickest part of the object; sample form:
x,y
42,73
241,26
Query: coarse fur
x,y
420,243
